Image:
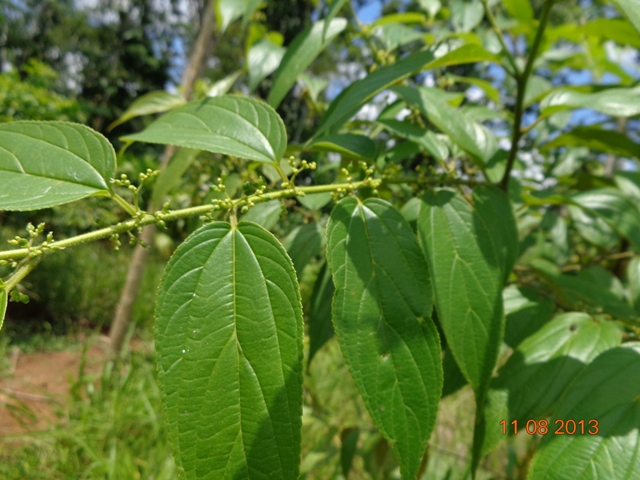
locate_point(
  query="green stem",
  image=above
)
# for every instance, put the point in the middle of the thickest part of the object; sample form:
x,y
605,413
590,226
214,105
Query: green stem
x,y
149,219
498,32
130,209
20,273
522,87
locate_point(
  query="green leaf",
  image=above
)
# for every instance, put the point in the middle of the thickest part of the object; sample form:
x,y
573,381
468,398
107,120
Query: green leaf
x,y
465,15
467,278
593,228
519,9
473,138
618,211
580,290
541,369
595,138
352,98
43,164
348,450
229,344
263,59
231,125
320,326
222,86
606,391
468,53
229,10
633,277
381,315
334,9
617,102
394,35
403,17
495,211
315,201
526,311
492,92
303,244
619,30
629,184
314,85
425,138
3,305
632,11
264,214
149,103
171,176
303,50
349,145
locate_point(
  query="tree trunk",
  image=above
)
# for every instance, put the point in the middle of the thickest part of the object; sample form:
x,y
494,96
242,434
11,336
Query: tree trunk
x,y
194,68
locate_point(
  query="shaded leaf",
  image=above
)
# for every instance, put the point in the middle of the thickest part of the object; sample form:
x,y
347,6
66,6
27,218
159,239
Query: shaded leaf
x,y
231,125
348,450
303,50
229,343
303,244
418,135
580,291
595,138
265,214
3,305
349,145
471,137
526,312
381,315
315,85
171,176
541,369
315,201
617,102
149,103
320,326
43,164
606,391
467,279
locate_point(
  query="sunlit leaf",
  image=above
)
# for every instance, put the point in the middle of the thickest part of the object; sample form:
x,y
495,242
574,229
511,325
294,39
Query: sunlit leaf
x,y
302,51
381,314
149,103
43,164
262,60
232,125
229,343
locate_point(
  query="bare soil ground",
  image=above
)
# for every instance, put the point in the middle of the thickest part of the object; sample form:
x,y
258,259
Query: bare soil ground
x,y
38,384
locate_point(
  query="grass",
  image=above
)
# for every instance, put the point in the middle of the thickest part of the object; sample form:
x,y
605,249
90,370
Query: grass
x,y
111,428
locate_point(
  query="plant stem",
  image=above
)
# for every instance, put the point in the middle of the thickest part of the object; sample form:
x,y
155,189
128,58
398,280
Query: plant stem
x,y
150,219
522,87
130,209
20,273
498,32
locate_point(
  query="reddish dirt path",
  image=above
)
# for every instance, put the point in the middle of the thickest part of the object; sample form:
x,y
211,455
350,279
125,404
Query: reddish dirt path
x,y
41,381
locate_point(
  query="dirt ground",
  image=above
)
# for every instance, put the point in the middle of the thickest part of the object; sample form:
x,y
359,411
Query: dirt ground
x,y
38,384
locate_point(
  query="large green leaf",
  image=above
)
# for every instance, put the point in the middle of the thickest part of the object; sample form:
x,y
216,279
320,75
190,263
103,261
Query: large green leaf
x,y
526,311
149,103
229,343
302,51
3,305
265,214
594,138
47,164
349,145
467,278
541,369
607,391
473,138
382,318
352,98
394,35
418,135
320,326
585,290
334,9
171,176
495,211
632,10
520,9
618,211
262,60
304,243
232,125
617,102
